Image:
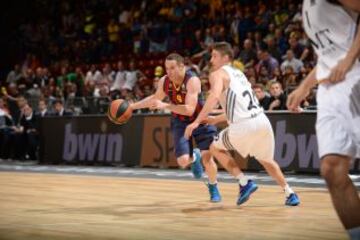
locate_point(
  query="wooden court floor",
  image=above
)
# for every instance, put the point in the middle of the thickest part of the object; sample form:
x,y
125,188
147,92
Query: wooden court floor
x,y
54,206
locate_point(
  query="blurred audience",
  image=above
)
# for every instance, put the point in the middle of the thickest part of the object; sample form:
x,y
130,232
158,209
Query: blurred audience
x,y
83,54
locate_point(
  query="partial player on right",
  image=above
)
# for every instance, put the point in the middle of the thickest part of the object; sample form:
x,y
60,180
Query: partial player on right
x,y
334,29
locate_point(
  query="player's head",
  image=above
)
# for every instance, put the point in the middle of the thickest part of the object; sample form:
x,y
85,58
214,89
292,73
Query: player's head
x,y
222,54
174,65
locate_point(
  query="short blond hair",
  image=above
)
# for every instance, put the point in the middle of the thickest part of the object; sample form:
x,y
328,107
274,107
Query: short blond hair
x,y
224,49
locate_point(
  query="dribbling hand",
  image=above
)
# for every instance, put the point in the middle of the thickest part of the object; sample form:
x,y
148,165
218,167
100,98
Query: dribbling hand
x,y
210,120
157,104
189,129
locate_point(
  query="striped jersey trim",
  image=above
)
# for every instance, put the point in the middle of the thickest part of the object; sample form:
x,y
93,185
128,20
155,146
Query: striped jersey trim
x,y
230,104
226,140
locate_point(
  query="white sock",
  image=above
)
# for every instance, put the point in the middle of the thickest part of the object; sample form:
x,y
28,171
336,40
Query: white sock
x,y
213,183
193,158
243,180
288,190
354,233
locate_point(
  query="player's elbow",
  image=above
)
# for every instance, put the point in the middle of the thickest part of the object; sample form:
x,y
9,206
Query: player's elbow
x,y
213,97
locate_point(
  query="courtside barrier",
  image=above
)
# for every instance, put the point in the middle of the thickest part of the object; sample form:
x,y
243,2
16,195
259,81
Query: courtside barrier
x,y
90,140
146,141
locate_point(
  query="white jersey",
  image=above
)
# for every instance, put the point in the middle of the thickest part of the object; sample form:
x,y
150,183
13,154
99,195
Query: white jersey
x,y
238,101
331,30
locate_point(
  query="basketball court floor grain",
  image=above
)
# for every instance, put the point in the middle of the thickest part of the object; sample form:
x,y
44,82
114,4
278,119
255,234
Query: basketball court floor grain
x,y
59,205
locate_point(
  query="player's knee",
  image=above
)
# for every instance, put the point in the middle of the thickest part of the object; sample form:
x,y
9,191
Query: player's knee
x,y
331,169
206,157
272,164
212,149
183,161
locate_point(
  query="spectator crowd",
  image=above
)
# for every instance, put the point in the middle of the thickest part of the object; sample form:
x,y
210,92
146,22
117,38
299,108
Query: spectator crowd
x,y
79,55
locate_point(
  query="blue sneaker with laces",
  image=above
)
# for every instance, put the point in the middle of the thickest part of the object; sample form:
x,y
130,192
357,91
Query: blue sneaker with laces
x,y
292,200
196,167
246,191
214,192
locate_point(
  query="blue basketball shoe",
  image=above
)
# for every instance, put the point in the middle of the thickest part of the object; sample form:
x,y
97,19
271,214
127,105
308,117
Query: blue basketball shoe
x,y
292,200
246,191
196,167
214,192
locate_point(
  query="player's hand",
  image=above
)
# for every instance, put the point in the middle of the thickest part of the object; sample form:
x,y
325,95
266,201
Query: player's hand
x,y
339,72
157,104
295,98
212,120
189,129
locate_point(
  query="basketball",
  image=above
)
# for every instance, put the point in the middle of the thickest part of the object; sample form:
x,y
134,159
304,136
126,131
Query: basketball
x,y
119,111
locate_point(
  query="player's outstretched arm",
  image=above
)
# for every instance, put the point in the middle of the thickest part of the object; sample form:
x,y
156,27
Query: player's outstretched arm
x,y
300,93
216,84
148,102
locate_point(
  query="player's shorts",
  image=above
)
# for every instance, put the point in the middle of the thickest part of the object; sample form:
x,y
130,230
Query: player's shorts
x,y
250,137
338,117
203,136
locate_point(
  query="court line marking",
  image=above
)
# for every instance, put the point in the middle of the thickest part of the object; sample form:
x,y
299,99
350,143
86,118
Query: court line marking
x,y
161,173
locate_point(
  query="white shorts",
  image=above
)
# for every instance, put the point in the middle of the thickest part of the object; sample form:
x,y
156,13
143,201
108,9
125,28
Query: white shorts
x,y
251,136
338,117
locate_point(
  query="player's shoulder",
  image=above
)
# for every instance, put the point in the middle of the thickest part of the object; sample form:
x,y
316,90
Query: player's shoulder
x,y
219,72
193,82
162,79
191,77
162,82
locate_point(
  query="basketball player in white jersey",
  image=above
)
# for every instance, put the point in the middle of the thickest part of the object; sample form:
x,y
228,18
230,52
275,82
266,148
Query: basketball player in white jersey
x,y
333,27
249,131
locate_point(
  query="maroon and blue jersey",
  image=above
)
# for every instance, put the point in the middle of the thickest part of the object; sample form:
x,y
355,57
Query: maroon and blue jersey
x,y
177,95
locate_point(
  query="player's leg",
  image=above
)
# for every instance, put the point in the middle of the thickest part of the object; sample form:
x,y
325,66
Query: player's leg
x,y
334,169
220,150
183,161
211,171
204,136
273,169
184,157
183,149
210,166
226,160
338,144
265,155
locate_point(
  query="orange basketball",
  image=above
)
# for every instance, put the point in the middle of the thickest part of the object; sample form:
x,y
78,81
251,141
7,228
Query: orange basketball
x,y
119,111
